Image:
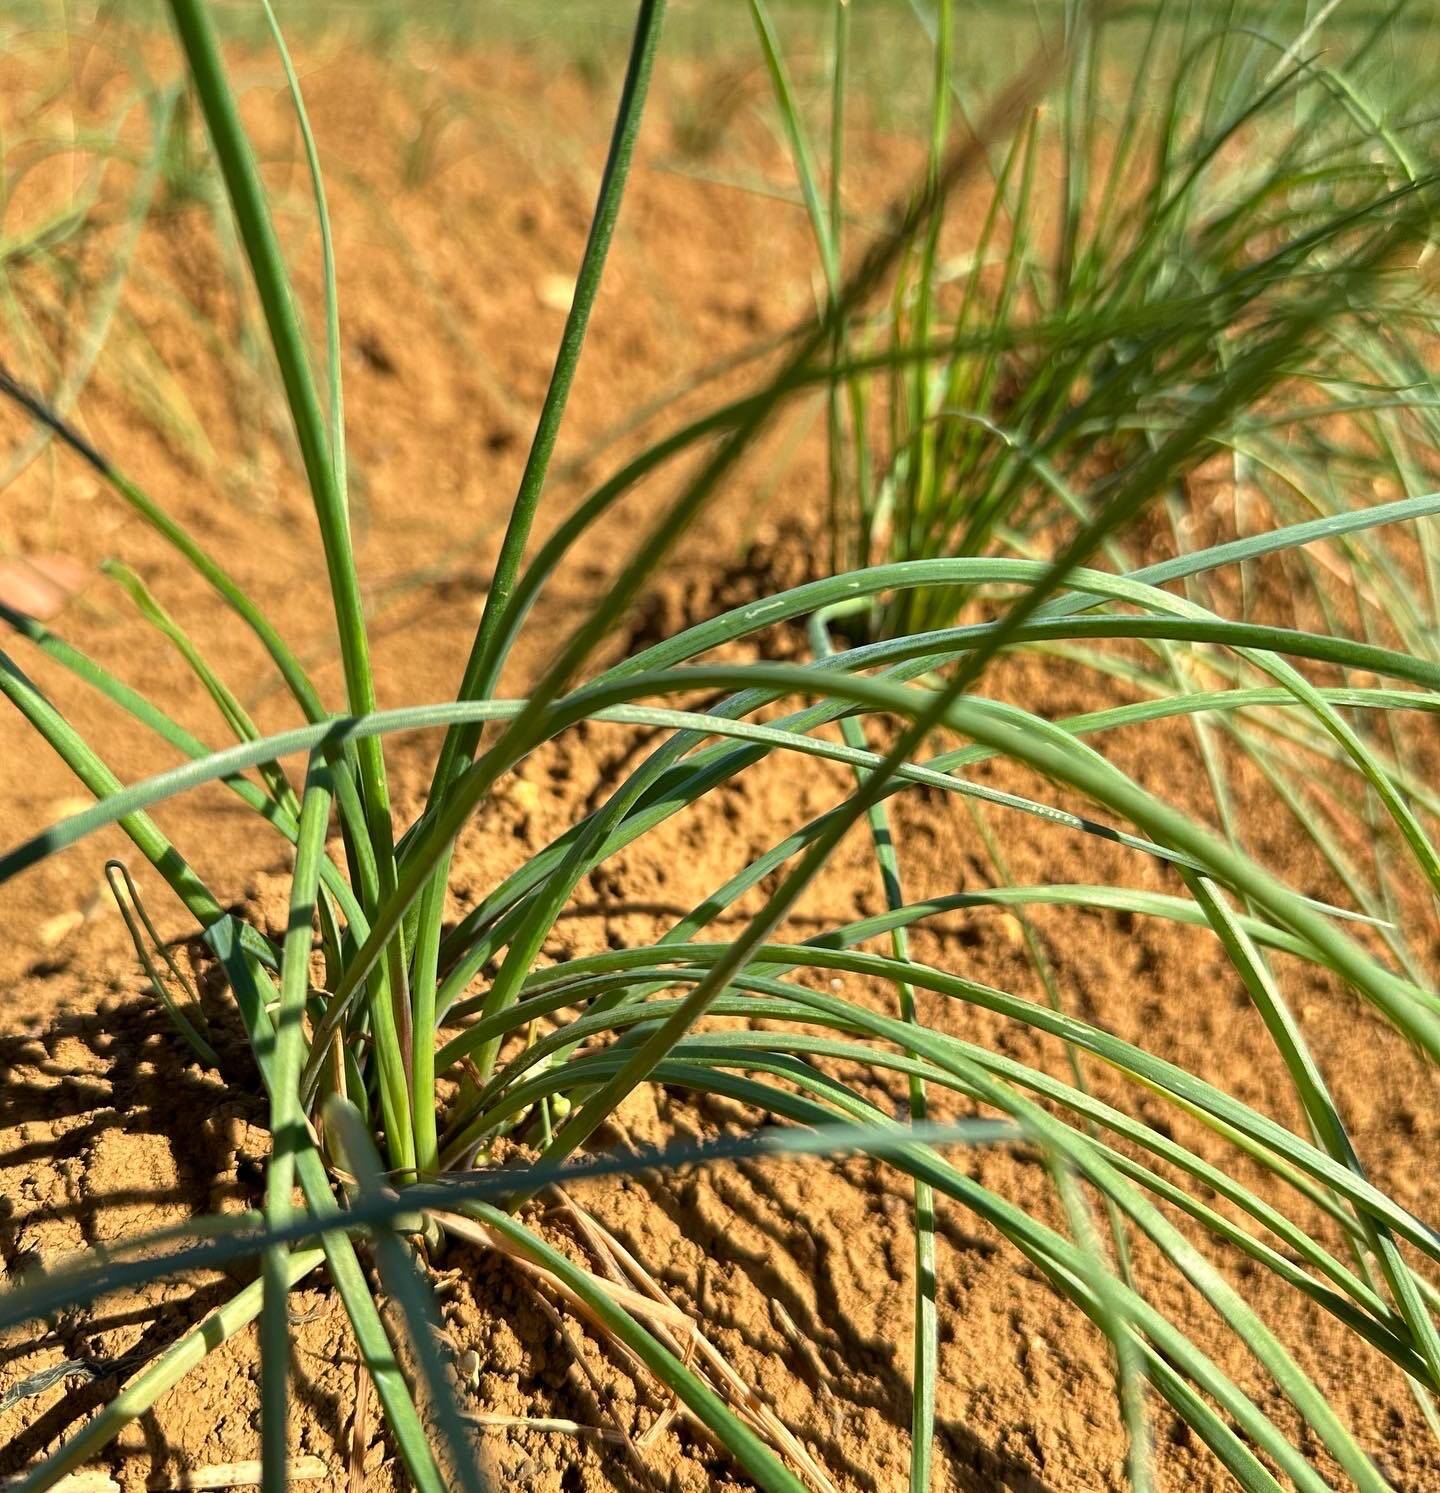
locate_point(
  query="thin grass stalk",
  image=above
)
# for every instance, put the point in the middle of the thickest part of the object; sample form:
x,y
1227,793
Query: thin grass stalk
x,y
482,667
335,403
842,543
255,995
252,215
487,651
926,1351
1129,1361
1046,973
287,1122
389,1007
825,213
409,1292
1319,1106
919,488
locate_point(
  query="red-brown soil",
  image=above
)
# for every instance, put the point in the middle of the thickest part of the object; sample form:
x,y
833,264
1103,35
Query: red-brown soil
x,y
801,1274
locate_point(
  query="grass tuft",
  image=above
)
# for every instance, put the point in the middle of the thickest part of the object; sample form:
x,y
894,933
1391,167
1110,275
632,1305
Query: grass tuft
x,y
1232,258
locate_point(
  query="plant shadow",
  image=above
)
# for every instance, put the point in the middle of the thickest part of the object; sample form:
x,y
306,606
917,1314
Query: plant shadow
x,y
109,1127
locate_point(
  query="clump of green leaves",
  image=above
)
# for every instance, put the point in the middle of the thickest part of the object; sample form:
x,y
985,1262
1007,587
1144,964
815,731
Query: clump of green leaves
x,y
356,1052
1189,174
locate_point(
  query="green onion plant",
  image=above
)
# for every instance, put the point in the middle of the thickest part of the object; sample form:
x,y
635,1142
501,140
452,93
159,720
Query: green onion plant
x,y
1089,376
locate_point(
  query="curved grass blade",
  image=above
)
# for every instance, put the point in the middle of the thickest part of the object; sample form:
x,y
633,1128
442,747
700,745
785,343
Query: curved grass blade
x,y
145,939
389,1011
